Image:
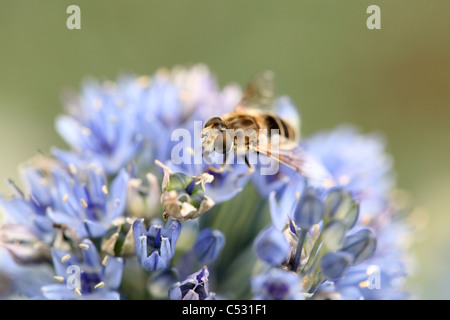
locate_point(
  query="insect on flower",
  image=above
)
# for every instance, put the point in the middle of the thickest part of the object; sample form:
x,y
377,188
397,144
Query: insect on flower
x,y
252,128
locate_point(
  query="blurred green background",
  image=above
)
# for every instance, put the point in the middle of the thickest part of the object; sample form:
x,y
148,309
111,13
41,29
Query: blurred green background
x,y
395,80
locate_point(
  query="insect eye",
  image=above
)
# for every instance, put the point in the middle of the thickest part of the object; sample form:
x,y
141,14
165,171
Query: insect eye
x,y
212,121
221,126
223,143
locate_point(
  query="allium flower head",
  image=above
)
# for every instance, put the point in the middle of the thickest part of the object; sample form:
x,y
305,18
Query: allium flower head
x,y
92,213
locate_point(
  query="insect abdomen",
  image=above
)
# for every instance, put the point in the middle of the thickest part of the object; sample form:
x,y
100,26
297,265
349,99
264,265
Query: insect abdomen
x,y
275,123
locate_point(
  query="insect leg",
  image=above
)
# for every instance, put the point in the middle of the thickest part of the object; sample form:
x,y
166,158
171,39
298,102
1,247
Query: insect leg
x,y
251,169
222,168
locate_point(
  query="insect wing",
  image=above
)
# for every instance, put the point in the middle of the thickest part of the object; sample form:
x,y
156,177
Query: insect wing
x,y
259,92
295,158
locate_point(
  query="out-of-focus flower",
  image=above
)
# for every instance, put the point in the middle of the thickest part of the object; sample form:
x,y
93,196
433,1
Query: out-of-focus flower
x,y
159,283
84,276
23,245
143,199
361,245
183,196
28,208
283,202
358,163
99,126
155,247
22,281
309,210
208,245
334,265
277,284
322,244
195,287
383,275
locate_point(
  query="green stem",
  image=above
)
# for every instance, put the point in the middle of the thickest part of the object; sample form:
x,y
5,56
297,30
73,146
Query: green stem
x,y
298,253
313,278
313,253
316,284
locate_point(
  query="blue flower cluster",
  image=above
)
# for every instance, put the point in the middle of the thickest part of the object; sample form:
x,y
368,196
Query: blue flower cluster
x,y
116,204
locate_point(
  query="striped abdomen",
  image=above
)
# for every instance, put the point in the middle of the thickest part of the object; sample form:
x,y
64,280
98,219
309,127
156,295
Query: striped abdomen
x,y
273,122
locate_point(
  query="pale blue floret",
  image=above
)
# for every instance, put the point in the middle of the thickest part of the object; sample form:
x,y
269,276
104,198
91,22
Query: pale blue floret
x,y
155,247
96,280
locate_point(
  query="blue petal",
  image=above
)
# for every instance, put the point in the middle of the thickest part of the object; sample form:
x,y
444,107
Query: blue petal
x,y
166,250
175,292
61,267
110,295
40,192
272,246
94,229
66,219
59,292
138,232
141,248
91,256
154,262
113,272
191,295
17,209
172,231
119,193
208,245
96,182
69,129
279,218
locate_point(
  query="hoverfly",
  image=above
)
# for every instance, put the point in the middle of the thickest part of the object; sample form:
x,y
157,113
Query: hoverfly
x,y
253,112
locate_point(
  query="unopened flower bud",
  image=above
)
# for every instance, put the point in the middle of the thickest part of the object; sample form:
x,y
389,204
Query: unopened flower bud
x,y
208,246
272,246
334,235
309,210
334,265
336,204
361,245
